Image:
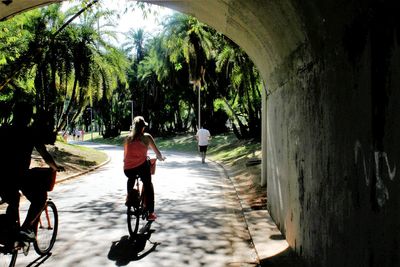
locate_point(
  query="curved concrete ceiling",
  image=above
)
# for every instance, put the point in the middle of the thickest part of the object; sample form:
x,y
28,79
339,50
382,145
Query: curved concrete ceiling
x,y
9,8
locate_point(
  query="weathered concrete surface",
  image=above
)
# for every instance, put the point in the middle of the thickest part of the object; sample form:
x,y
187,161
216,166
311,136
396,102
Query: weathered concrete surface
x,y
330,122
332,128
11,8
331,119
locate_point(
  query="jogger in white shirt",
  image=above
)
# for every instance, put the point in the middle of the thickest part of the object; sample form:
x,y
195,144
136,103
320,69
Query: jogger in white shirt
x,y
202,136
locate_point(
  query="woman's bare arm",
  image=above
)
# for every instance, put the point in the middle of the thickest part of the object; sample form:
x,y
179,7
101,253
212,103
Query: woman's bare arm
x,y
153,146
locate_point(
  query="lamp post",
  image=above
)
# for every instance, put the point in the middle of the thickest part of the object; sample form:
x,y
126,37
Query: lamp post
x,y
131,101
65,109
91,123
197,85
199,103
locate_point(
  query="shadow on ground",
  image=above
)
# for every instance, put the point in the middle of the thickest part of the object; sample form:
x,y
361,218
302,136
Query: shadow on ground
x,y
39,261
129,249
287,258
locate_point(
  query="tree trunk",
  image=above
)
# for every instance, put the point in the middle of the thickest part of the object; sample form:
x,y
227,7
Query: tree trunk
x,y
69,107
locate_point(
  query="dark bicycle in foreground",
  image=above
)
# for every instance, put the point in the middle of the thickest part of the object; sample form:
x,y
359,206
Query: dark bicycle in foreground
x,y
45,230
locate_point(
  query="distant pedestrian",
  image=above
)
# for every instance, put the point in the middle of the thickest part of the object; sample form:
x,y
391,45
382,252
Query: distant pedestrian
x,y
203,136
78,134
65,136
82,134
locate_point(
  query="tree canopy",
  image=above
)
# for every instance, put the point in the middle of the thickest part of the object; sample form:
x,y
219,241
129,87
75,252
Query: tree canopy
x,y
67,68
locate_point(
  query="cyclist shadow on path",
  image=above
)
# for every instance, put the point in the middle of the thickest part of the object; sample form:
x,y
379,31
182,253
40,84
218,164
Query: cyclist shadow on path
x,y
40,260
129,249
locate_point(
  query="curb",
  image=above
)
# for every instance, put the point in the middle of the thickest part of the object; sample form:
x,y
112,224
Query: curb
x,y
84,172
265,236
227,176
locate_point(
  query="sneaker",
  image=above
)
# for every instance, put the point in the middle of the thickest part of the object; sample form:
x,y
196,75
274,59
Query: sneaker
x,y
27,235
152,216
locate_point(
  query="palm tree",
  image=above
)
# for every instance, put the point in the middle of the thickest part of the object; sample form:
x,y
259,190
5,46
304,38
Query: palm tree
x,y
243,90
136,40
167,82
97,65
36,65
63,70
14,49
135,44
186,36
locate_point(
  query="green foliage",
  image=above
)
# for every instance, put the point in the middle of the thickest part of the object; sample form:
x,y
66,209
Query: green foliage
x,y
65,71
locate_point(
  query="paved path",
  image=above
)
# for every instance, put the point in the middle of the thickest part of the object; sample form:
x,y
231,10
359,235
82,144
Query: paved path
x,y
200,220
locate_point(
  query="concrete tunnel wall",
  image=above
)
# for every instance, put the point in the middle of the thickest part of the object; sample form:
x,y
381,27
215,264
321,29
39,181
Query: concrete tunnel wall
x,y
330,120
331,117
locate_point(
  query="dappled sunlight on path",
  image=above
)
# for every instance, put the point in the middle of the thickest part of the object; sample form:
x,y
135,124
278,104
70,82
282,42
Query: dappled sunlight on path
x,y
203,208
199,219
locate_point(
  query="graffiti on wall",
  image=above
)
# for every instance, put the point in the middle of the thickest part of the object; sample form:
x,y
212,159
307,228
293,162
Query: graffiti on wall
x,y
380,166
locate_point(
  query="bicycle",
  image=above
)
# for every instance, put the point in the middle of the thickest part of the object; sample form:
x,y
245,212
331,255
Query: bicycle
x,y
45,229
136,205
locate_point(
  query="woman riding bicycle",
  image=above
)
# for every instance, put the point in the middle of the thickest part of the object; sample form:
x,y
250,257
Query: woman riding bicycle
x,y
136,161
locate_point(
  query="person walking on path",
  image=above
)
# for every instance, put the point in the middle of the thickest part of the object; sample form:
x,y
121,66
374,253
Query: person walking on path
x,y
203,136
82,134
136,162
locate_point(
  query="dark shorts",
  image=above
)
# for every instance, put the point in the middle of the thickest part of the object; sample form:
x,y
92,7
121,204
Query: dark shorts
x,y
203,148
144,173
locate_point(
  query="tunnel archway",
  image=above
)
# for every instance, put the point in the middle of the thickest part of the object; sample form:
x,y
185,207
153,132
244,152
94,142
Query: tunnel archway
x,y
330,113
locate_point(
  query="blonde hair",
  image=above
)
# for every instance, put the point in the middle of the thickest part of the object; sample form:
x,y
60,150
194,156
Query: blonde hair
x,y
137,130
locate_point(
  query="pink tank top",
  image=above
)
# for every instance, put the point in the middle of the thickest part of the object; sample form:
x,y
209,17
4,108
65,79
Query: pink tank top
x,y
135,154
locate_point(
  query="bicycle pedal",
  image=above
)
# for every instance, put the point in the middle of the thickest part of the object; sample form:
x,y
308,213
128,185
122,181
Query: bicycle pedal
x,y
25,248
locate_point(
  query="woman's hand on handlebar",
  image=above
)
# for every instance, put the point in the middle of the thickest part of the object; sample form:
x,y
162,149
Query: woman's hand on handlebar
x,y
161,158
60,168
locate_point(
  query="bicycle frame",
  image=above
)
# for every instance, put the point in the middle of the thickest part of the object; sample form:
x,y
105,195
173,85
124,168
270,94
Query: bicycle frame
x,y
142,197
47,219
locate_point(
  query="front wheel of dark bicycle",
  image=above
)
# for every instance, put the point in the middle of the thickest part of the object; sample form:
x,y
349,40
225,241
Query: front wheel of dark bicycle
x,y
46,229
133,220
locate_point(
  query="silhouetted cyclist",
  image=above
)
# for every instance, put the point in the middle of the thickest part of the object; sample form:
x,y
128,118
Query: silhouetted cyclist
x,y
18,141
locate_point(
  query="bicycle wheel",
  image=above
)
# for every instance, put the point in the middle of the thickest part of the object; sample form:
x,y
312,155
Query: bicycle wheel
x,y
46,231
8,259
133,219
